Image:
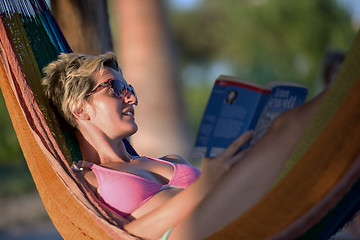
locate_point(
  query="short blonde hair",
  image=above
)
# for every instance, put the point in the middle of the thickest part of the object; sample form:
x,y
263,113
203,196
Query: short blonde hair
x,y
67,80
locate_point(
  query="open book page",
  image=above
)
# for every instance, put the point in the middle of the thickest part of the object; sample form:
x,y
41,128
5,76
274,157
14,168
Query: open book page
x,y
283,96
234,106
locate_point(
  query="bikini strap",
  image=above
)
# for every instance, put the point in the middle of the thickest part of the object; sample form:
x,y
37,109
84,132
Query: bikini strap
x,y
79,166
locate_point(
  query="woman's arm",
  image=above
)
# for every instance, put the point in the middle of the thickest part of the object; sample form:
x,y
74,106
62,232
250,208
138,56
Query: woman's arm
x,y
178,207
225,197
247,182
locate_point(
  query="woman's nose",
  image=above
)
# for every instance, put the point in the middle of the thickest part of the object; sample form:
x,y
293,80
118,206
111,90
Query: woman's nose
x,y
130,98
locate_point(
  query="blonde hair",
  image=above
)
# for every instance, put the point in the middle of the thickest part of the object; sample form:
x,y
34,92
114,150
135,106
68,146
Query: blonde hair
x,y
67,80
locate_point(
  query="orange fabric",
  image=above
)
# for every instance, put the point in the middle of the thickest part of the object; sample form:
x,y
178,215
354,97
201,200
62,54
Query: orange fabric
x,y
72,220
17,55
73,211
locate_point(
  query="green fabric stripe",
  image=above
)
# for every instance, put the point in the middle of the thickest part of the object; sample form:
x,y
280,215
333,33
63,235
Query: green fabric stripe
x,y
22,47
345,79
44,51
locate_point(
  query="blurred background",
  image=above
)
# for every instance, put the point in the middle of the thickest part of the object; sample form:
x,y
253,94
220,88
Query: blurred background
x,y
171,52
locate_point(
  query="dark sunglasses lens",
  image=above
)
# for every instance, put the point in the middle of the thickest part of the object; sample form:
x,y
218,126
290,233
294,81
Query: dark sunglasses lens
x,y
117,86
131,89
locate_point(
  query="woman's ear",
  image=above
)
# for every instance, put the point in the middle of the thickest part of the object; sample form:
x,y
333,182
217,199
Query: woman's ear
x,y
80,111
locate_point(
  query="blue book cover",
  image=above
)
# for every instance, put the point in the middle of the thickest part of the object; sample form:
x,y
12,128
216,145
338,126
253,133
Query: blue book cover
x,y
237,105
283,96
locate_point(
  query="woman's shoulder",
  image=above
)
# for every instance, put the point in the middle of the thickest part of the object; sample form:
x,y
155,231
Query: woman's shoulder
x,y
83,172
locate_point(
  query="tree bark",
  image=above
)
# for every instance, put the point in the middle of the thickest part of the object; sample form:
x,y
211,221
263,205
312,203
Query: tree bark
x,y
85,24
147,61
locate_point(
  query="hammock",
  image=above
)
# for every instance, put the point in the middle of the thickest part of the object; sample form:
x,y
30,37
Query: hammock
x,y
316,195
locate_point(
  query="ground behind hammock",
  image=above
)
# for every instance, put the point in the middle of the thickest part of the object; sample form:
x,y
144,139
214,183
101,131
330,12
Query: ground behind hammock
x,y
25,218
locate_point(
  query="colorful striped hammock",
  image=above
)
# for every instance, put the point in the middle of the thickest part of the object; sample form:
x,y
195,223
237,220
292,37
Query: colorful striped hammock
x,y
318,192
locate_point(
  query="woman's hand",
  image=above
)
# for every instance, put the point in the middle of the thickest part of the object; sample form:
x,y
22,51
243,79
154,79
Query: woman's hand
x,y
214,168
183,203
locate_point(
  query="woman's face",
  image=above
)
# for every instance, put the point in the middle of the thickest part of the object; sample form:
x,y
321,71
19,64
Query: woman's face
x,y
114,116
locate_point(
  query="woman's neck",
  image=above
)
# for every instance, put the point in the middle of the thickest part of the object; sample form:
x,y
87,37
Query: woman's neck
x,y
99,149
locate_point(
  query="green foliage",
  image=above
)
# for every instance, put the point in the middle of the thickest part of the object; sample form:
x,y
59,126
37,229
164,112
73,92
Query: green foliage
x,y
195,99
15,177
267,40
264,40
10,152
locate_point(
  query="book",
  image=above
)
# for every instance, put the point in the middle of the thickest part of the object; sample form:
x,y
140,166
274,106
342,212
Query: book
x,y
236,105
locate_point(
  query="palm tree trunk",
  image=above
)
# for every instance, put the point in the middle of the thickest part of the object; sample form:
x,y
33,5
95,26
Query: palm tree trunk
x,y
85,24
147,61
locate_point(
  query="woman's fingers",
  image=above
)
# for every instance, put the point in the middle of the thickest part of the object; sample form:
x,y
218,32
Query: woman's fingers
x,y
221,164
236,145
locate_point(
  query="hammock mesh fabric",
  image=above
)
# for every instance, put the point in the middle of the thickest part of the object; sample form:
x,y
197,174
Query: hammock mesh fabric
x,y
30,39
316,195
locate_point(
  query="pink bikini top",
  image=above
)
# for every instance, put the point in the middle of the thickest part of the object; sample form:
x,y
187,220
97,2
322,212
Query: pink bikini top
x,y
125,192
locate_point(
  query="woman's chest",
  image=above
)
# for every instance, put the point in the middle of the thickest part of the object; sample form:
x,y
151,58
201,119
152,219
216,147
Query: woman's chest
x,y
159,172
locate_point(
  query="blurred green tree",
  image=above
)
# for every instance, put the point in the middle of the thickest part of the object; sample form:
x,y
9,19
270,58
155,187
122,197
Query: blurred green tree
x,y
10,152
265,40
261,40
14,176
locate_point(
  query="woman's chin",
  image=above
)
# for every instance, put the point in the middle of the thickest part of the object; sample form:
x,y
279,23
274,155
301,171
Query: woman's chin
x,y
133,130
125,131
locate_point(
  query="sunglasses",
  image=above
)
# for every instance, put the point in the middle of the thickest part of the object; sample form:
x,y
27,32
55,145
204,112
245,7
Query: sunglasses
x,y
119,88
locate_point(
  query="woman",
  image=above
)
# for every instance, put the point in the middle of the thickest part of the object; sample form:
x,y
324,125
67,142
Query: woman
x,y
92,95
